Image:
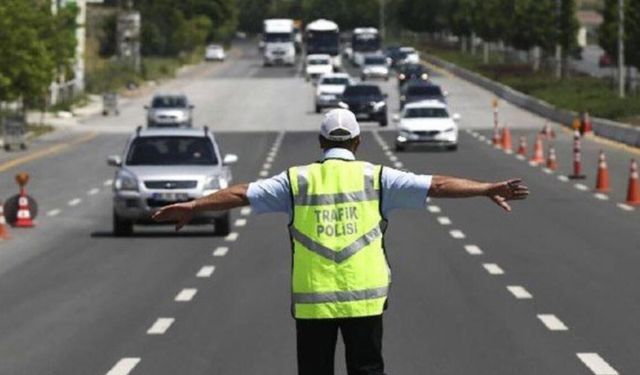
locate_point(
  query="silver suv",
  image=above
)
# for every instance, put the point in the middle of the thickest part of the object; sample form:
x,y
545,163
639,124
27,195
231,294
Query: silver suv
x,y
169,110
164,166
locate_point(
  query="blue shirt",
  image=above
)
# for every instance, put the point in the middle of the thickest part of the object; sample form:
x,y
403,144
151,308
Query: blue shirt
x,y
400,189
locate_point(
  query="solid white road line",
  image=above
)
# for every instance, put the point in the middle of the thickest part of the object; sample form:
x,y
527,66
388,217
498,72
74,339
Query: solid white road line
x,y
473,249
456,233
160,326
240,222
596,364
625,207
552,322
74,202
563,178
443,220
231,237
186,295
93,191
220,251
206,271
581,187
108,183
434,209
124,366
602,197
519,292
493,269
245,211
54,212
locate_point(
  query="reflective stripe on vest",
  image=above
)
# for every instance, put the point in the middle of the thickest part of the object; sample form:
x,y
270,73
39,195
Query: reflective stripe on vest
x,y
339,267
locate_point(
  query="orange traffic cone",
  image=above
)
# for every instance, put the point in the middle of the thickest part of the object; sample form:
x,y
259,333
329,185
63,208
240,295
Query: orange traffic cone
x,y
24,219
633,191
522,148
552,163
506,139
4,232
602,181
538,153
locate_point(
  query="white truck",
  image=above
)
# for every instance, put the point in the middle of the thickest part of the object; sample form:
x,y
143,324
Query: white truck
x,y
279,44
323,37
364,41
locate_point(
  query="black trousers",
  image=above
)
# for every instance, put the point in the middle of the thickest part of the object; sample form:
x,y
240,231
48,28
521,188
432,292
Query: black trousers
x,y
362,340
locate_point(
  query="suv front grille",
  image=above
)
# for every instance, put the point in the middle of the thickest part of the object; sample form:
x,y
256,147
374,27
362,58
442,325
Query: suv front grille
x,y
169,185
427,133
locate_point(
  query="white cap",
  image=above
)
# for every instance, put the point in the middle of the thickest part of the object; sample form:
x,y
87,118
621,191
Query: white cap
x,y
339,119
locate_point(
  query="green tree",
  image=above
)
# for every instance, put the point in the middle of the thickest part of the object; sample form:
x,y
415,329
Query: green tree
x,y
608,32
567,31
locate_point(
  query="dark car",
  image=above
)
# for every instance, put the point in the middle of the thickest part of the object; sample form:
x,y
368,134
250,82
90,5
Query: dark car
x,y
367,102
416,91
409,72
394,53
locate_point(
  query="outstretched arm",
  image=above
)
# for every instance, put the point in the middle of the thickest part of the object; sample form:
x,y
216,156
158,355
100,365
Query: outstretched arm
x,y
498,192
225,199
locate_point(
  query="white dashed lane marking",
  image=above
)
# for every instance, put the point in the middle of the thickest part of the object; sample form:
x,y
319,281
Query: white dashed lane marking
x,y
457,234
54,212
547,170
433,209
493,269
563,178
245,211
231,237
108,183
269,159
473,249
581,187
625,207
160,326
519,292
264,173
398,165
521,157
124,366
74,202
393,158
220,251
186,295
443,220
240,222
602,197
206,271
266,166
596,364
552,322
93,191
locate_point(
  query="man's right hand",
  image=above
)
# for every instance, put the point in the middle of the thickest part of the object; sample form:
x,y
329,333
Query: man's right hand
x,y
180,213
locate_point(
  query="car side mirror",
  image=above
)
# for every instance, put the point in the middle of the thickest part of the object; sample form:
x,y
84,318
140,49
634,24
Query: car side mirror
x,y
114,161
456,117
396,118
230,159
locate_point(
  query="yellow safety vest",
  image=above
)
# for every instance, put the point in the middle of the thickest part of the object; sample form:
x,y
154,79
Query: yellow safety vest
x,y
339,265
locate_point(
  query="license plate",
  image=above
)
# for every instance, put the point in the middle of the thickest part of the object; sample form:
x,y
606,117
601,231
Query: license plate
x,y
171,197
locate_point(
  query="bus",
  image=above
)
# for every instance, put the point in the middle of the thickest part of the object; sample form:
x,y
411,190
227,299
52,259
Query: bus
x,y
323,37
279,42
365,40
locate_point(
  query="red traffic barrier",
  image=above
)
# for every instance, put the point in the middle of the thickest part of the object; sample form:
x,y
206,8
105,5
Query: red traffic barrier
x,y
577,158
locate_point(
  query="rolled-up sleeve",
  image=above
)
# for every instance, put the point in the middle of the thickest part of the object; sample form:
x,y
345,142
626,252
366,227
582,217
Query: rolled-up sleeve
x,y
270,195
403,190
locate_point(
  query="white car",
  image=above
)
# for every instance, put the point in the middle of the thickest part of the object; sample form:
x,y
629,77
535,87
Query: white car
x,y
214,52
427,122
317,65
329,89
374,66
411,56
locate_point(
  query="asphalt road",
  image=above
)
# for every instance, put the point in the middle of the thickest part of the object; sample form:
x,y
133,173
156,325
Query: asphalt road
x,y
551,288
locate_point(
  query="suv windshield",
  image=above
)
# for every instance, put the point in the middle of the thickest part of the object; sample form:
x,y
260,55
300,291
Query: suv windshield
x,y
426,112
169,102
318,62
412,69
375,61
277,37
172,151
334,81
362,91
424,91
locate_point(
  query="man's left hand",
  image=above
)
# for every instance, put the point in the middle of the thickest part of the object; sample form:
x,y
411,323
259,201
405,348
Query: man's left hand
x,y
502,192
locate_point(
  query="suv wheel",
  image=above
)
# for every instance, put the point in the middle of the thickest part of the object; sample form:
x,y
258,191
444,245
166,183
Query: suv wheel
x,y
121,227
222,225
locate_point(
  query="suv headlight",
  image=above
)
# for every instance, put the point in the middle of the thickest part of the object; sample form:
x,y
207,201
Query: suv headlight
x,y
215,183
126,181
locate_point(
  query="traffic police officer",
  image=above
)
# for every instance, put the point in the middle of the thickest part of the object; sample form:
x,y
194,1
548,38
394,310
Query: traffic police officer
x,y
338,209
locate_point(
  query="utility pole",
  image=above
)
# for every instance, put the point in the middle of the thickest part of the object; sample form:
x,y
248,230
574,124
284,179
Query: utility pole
x,y
383,30
621,72
558,45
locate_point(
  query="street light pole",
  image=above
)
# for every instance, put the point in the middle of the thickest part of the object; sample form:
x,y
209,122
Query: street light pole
x,y
558,45
383,30
621,72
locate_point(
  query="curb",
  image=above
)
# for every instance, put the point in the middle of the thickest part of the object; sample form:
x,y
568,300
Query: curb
x,y
609,129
